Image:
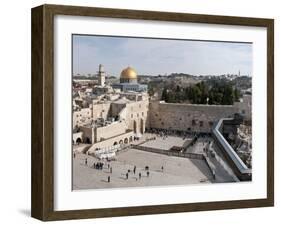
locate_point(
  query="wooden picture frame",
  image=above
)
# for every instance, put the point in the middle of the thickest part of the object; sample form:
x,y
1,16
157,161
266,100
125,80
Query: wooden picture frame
x,y
42,203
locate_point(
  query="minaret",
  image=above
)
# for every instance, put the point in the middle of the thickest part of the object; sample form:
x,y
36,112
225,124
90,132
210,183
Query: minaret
x,y
101,75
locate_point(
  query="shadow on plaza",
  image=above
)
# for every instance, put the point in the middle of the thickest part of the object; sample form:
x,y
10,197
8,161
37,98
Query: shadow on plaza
x,y
202,166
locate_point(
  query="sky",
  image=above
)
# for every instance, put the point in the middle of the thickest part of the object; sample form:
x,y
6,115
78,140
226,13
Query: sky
x,y
159,56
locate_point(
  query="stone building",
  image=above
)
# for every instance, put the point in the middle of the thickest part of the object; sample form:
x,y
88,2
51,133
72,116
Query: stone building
x,y
129,81
116,117
82,117
120,117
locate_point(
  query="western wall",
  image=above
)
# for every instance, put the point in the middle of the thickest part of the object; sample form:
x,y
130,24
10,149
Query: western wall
x,y
187,117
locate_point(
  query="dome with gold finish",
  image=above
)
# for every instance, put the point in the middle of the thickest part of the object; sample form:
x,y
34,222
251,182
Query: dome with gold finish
x,y
128,75
129,82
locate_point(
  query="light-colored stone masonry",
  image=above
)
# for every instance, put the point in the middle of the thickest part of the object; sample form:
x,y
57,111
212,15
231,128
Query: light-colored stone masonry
x,y
187,117
125,138
82,117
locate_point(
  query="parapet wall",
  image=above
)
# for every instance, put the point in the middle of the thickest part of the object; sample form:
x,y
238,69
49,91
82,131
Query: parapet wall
x,y
125,138
234,161
112,130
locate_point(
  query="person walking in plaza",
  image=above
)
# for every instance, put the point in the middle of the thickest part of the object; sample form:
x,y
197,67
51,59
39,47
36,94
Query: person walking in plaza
x,y
162,168
108,179
86,161
135,169
147,173
127,176
110,169
139,176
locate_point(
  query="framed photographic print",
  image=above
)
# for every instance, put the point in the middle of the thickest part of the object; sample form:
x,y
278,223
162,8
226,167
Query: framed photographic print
x,y
141,112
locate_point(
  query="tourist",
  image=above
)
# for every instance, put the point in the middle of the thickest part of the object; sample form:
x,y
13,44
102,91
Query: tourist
x,y
139,176
135,169
108,179
127,176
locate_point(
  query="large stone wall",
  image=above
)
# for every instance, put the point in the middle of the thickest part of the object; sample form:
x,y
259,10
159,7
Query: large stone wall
x,y
187,117
112,130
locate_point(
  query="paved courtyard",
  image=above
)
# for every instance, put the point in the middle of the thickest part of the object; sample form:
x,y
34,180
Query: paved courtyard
x,y
166,143
176,171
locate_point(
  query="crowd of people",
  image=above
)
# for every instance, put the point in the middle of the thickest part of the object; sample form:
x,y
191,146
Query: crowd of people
x,y
131,171
164,133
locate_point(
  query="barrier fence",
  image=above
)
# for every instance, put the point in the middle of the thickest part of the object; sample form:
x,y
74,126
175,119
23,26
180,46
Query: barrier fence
x,y
169,153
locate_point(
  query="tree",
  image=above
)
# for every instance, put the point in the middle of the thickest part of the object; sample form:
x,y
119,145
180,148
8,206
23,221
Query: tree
x,y
164,95
195,94
237,95
228,96
220,93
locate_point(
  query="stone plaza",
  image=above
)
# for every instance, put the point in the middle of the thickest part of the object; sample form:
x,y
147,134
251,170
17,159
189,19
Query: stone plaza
x,y
163,170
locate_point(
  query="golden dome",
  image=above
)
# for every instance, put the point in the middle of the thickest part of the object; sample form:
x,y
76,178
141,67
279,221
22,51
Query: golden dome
x,y
129,73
